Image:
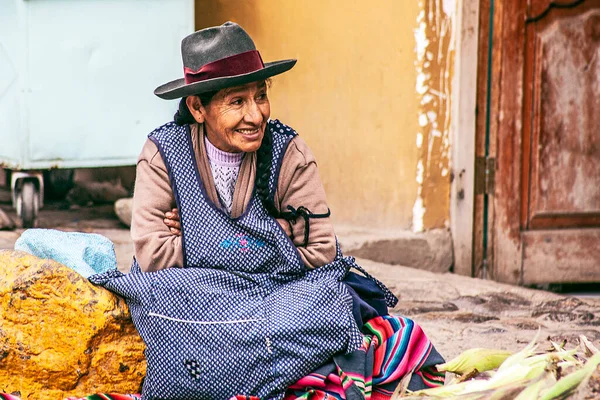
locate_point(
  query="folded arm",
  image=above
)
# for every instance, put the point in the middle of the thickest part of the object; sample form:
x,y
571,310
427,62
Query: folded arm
x,y
155,246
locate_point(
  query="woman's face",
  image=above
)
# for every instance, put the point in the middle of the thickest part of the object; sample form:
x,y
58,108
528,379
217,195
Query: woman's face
x,y
236,118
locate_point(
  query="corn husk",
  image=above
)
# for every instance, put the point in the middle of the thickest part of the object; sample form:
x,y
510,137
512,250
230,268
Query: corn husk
x,y
529,374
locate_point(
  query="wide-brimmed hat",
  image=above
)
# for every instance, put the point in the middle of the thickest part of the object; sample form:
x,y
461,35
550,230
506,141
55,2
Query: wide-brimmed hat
x,y
219,57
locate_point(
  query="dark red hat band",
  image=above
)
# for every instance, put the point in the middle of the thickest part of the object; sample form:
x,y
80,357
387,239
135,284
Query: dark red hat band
x,y
238,64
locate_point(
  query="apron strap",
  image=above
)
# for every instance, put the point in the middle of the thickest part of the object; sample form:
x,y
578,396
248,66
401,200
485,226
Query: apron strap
x,y
302,212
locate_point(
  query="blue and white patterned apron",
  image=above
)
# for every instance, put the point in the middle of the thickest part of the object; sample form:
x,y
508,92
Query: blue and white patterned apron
x,y
245,316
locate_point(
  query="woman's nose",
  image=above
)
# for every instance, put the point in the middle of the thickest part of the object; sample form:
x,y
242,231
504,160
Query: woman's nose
x,y
253,113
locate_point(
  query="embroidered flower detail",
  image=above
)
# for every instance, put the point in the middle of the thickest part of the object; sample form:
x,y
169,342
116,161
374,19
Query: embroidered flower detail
x,y
242,243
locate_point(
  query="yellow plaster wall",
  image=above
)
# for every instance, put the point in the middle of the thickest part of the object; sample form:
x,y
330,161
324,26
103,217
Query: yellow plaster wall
x,y
352,96
434,38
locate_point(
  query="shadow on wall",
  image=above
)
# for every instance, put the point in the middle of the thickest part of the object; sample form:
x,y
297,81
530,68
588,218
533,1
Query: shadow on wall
x,y
84,186
101,185
125,176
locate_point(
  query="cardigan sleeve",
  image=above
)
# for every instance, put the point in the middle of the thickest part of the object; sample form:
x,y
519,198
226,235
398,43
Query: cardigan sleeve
x,y
299,185
155,247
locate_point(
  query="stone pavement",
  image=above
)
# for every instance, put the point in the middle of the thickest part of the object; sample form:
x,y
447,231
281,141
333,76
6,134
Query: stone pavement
x,y
456,312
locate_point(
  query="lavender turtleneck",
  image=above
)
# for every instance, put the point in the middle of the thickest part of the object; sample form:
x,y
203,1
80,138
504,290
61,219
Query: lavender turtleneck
x,y
225,168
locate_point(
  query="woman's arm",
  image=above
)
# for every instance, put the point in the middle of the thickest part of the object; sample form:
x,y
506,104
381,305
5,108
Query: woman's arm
x,y
299,185
155,246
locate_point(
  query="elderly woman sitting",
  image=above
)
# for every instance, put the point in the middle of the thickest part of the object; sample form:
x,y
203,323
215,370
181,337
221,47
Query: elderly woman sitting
x,y
238,287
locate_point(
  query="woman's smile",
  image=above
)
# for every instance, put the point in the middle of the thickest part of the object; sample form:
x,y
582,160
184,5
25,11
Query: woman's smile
x,y
249,132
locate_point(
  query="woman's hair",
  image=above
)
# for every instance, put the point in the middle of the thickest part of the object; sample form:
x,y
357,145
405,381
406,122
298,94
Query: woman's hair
x,y
264,157
183,116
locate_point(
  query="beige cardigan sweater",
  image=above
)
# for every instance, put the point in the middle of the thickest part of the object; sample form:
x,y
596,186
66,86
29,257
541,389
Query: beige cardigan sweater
x,y
299,185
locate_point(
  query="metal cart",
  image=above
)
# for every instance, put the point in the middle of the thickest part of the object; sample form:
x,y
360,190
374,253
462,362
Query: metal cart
x,y
76,82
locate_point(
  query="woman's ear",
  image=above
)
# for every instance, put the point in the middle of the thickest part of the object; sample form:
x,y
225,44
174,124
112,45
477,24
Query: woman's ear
x,y
196,108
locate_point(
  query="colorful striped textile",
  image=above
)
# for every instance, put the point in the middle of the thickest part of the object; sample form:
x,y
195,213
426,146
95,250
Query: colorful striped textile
x,y
392,348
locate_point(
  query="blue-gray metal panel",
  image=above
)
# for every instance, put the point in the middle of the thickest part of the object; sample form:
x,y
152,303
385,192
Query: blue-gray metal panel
x,y
93,66
13,127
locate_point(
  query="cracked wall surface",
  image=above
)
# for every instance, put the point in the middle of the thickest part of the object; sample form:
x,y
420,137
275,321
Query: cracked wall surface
x,y
434,37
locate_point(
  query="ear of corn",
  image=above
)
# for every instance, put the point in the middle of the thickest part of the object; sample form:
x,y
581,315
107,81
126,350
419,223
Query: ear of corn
x,y
528,351
475,359
533,390
444,391
526,375
506,392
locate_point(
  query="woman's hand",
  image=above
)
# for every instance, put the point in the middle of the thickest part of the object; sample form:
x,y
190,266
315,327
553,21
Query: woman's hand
x,y
172,221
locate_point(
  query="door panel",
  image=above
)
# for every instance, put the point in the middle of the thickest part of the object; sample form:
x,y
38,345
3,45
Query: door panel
x,y
563,188
547,198
548,256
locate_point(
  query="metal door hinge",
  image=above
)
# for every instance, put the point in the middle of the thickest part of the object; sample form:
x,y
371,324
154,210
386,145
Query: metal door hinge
x,y
485,171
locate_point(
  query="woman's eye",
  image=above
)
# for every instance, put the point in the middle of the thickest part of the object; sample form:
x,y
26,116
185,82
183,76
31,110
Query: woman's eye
x,y
262,96
236,102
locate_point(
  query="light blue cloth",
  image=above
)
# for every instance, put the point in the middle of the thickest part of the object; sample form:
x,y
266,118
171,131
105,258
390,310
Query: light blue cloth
x,y
85,253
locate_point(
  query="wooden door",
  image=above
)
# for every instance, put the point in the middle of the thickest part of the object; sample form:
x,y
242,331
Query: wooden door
x,y
546,201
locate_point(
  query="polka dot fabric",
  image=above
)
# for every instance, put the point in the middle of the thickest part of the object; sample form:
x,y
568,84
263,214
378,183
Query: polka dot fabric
x,y
244,317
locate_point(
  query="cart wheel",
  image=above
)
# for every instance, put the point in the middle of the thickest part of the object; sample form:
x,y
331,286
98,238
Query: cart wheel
x,y
28,204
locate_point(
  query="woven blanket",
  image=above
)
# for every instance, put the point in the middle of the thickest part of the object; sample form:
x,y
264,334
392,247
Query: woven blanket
x,y
393,348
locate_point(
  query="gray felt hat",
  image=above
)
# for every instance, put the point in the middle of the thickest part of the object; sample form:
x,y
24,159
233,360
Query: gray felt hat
x,y
219,57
